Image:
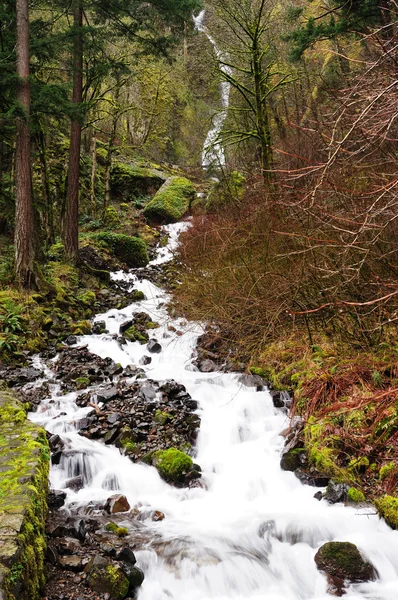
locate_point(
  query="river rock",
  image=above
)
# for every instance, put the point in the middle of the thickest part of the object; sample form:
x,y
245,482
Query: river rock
x,y
293,459
207,366
99,327
56,499
145,360
116,504
76,483
342,561
110,579
336,492
71,563
134,575
153,346
126,554
75,528
253,381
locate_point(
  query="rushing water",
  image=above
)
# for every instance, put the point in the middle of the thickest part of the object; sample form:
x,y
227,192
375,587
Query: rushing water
x,y
253,533
214,153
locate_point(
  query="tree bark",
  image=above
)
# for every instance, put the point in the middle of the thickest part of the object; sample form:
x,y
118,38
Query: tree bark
x,y
24,230
93,151
71,222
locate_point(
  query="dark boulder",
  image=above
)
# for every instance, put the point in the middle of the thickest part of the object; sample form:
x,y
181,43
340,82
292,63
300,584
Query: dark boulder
x,y
341,562
293,459
56,499
153,346
336,492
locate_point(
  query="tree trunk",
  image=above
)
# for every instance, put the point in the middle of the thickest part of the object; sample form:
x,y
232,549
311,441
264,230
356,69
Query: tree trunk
x,y
48,215
108,161
24,244
262,118
93,200
70,229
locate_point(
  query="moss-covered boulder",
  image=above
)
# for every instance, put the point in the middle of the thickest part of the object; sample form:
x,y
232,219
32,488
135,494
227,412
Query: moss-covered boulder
x,y
171,202
109,579
387,507
295,458
172,465
128,181
131,250
342,560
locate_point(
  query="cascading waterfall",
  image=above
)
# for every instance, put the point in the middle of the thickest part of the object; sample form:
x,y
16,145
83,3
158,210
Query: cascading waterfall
x,y
213,152
253,532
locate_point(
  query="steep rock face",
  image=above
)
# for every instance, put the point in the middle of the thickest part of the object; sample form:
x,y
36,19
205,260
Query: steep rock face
x,y
24,462
171,202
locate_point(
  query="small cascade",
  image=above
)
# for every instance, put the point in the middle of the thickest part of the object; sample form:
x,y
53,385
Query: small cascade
x,y
252,532
213,152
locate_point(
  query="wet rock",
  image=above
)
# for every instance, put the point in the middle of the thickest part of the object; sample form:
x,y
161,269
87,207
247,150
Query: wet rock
x,y
71,340
153,346
99,327
75,528
148,393
116,504
294,459
312,478
318,496
336,492
106,394
280,399
110,579
111,436
342,560
126,554
145,360
134,575
207,366
68,546
20,377
253,381
51,555
56,499
75,483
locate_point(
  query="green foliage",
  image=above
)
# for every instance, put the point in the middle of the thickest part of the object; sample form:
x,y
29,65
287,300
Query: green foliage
x,y
387,507
228,191
346,18
114,528
130,250
387,470
172,464
172,201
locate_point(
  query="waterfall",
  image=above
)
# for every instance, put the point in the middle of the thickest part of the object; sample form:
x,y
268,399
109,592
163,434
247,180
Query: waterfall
x,y
213,152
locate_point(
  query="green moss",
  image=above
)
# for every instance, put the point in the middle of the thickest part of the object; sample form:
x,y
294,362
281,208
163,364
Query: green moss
x,y
172,201
82,383
386,470
130,250
109,580
133,335
343,560
355,495
387,507
82,328
111,218
161,417
172,464
111,527
128,181
358,465
23,499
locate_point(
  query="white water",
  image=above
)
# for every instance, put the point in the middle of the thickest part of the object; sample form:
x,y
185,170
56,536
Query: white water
x,y
253,533
214,153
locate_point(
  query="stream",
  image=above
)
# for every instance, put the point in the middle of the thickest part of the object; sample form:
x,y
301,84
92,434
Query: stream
x,y
252,532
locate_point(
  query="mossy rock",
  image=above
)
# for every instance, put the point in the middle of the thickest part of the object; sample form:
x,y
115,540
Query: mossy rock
x,y
172,464
109,580
387,507
355,495
344,561
129,181
294,459
171,202
133,335
130,250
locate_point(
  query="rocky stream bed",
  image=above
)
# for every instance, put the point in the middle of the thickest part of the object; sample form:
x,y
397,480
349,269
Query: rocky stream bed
x,y
166,470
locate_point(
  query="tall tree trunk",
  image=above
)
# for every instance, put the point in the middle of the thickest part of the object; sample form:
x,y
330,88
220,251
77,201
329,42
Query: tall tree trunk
x,y
108,161
71,229
262,118
48,213
93,151
24,230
